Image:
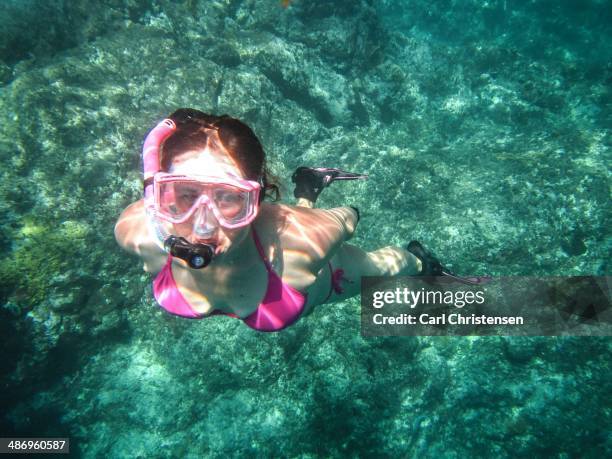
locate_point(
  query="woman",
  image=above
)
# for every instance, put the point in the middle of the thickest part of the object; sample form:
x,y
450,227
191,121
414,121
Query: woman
x,y
216,247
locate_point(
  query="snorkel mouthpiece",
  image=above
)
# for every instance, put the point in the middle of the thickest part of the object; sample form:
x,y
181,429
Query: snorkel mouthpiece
x,y
197,256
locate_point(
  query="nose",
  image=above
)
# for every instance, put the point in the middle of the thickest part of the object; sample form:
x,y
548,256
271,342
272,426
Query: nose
x,y
205,223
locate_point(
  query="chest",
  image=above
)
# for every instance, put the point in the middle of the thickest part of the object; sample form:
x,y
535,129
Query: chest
x,y
238,293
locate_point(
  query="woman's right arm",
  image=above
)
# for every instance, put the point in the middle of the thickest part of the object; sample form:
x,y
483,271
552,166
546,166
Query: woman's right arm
x,y
133,235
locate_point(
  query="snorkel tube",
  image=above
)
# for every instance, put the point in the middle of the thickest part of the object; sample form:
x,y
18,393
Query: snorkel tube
x,y
197,256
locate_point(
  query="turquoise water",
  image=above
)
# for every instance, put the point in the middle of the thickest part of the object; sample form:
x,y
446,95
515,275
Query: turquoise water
x,y
485,129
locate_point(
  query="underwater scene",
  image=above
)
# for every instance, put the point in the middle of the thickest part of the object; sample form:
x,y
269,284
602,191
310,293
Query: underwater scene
x,y
484,129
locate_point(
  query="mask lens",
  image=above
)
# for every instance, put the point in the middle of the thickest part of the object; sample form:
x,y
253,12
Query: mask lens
x,y
186,195
176,199
231,203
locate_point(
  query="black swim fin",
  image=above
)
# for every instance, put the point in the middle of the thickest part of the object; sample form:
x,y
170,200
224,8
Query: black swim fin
x,y
309,182
433,267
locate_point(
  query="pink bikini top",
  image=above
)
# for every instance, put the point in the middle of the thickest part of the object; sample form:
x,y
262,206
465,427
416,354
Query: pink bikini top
x,y
281,306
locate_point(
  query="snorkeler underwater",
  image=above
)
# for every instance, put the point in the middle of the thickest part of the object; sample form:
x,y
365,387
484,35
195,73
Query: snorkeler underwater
x,y
390,221
205,179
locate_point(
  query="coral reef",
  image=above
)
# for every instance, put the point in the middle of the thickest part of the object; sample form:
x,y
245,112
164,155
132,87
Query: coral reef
x,y
485,129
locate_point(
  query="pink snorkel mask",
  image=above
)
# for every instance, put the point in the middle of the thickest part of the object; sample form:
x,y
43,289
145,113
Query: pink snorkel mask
x,y
174,199
233,201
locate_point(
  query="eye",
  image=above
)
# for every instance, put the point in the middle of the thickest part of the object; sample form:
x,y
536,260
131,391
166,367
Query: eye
x,y
187,194
229,197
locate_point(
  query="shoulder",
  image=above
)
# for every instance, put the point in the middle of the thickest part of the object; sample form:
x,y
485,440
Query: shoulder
x,y
129,226
338,218
133,235
310,234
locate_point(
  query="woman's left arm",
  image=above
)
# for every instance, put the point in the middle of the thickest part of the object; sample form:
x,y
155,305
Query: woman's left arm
x,y
318,233
347,217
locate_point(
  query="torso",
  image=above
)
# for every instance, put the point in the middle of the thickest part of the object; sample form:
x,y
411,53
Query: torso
x,y
238,292
241,289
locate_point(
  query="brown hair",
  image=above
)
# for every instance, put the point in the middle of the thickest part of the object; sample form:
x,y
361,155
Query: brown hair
x,y
241,143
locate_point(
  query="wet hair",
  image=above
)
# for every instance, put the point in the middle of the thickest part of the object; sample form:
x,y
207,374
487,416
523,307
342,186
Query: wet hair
x,y
240,142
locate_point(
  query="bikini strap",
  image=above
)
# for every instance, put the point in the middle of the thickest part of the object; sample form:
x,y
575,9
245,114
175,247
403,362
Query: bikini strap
x,y
260,249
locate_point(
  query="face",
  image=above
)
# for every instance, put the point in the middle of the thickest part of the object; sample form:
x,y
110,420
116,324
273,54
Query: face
x,y
202,226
